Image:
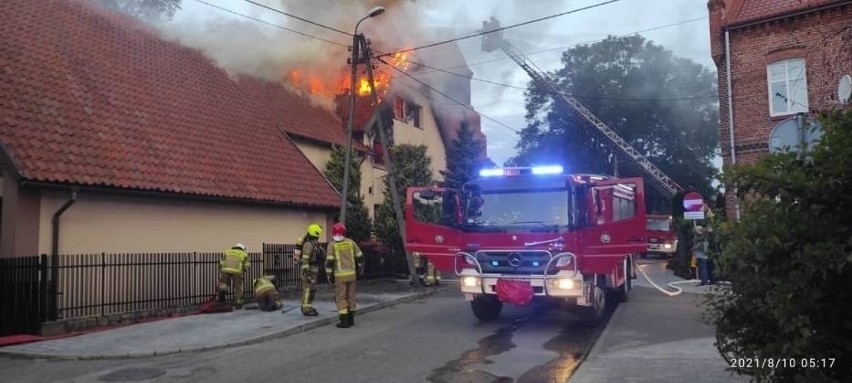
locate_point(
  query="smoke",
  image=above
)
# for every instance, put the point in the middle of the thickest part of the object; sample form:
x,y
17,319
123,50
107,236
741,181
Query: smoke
x,y
308,66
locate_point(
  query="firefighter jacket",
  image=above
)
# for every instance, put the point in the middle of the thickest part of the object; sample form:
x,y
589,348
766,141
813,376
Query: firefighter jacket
x,y
312,253
234,261
344,257
262,285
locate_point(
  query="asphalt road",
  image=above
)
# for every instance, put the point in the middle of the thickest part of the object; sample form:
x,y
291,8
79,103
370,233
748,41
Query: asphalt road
x,y
435,339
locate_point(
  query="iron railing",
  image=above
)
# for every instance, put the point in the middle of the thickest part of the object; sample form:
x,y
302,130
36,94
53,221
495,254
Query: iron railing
x,y
24,292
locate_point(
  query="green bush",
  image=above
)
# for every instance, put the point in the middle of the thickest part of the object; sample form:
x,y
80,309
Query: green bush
x,y
788,261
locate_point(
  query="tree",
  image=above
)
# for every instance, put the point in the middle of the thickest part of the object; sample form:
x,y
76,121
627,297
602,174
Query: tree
x,y
664,106
413,168
789,261
149,10
358,224
464,158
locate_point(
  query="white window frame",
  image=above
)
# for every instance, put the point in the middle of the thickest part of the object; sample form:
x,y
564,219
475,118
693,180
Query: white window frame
x,y
793,107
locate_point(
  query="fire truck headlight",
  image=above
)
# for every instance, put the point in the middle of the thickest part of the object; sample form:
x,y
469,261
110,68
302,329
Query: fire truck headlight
x,y
566,284
668,246
470,281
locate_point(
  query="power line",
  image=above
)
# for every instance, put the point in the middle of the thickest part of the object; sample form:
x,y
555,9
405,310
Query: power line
x,y
445,95
501,28
572,95
583,43
297,17
270,24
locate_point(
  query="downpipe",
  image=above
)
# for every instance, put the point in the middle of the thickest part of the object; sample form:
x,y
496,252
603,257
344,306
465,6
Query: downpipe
x,y
54,250
52,311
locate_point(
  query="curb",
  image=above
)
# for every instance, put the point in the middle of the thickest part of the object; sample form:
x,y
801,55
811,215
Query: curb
x,y
273,335
594,350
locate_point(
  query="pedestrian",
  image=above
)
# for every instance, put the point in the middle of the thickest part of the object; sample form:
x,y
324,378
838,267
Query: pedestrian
x,y
268,298
701,250
342,265
311,257
232,267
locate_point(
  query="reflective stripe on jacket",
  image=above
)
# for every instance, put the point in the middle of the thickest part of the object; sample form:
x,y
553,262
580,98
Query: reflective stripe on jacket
x,y
342,258
235,261
262,285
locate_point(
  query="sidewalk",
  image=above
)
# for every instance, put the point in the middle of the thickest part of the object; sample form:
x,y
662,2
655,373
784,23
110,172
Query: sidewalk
x,y
211,331
655,338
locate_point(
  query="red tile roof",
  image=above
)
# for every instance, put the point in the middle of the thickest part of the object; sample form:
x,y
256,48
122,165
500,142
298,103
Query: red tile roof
x,y
90,97
743,11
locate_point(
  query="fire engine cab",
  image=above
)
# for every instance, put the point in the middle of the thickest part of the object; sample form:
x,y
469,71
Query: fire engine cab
x,y
662,238
517,234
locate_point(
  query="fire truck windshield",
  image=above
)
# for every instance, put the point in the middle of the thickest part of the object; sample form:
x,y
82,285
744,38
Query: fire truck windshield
x,y
534,210
659,224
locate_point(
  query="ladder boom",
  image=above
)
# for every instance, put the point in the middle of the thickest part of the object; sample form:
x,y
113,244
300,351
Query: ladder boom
x,y
660,180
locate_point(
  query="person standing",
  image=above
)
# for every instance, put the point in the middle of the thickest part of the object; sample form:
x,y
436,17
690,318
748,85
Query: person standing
x,y
311,256
700,249
232,267
343,262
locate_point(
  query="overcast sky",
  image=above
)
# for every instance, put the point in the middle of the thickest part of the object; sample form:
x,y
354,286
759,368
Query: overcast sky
x,y
506,105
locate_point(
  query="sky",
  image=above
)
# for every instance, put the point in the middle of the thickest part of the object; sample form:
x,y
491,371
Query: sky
x,y
234,37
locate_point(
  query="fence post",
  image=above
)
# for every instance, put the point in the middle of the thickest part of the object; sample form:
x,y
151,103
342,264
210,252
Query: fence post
x,y
103,281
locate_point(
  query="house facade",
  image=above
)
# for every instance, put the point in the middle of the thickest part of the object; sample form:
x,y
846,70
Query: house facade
x,y
775,60
114,140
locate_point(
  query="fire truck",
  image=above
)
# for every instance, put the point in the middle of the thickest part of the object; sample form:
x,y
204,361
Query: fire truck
x,y
662,238
518,234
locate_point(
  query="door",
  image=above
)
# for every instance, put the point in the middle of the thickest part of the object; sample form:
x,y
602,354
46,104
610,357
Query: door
x,y
432,222
617,224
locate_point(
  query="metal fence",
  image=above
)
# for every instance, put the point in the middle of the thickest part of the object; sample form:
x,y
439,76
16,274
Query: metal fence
x,y
43,288
24,292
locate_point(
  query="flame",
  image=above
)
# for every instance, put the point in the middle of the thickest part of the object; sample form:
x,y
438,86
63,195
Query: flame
x,y
321,84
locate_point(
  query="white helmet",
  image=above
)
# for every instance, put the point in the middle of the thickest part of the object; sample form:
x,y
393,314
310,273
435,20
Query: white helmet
x,y
240,246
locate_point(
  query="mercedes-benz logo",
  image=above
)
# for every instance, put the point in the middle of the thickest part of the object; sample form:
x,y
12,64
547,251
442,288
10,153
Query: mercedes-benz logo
x,y
515,259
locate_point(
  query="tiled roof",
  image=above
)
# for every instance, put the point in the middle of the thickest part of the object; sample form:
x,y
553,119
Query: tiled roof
x,y
743,11
90,97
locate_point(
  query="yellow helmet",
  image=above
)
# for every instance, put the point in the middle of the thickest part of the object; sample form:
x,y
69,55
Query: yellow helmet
x,y
314,230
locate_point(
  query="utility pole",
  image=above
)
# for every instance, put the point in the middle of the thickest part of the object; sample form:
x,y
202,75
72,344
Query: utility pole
x,y
361,47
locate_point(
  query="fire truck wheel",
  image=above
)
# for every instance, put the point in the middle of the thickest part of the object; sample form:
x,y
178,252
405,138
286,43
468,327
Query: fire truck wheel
x,y
623,292
486,308
595,313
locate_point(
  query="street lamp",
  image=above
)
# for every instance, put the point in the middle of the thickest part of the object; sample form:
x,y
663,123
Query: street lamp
x,y
356,41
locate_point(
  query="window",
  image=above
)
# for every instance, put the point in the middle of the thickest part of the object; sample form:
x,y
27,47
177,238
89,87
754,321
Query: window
x,y
788,87
412,114
398,108
623,208
378,153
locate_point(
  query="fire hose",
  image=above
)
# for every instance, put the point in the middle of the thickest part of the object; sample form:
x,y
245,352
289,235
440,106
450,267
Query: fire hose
x,y
671,284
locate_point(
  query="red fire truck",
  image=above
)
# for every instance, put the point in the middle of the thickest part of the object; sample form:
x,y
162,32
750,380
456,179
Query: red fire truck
x,y
517,234
662,238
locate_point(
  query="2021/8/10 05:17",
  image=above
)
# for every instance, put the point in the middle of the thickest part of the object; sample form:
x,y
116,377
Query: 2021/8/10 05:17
x,y
761,363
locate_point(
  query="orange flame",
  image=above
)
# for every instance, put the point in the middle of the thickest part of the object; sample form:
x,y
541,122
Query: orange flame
x,y
329,86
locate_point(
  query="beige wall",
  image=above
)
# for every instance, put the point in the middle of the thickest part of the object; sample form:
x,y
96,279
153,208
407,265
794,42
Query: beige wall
x,y
100,223
19,224
427,134
317,154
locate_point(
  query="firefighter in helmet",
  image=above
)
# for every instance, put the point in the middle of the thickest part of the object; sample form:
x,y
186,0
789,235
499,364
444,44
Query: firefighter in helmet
x,y
232,267
268,298
342,265
311,256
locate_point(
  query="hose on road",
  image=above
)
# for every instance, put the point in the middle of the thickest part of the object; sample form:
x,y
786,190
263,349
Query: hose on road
x,y
671,284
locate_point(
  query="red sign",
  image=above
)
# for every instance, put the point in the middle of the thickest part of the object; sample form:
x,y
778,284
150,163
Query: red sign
x,y
693,201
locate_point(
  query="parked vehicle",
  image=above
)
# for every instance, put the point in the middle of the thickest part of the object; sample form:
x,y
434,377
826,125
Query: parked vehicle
x,y
517,234
662,237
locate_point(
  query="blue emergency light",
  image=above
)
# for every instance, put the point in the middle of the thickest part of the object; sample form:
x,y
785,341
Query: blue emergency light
x,y
537,170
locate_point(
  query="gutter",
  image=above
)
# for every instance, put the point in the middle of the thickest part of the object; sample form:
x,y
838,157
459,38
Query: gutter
x,y
788,15
731,113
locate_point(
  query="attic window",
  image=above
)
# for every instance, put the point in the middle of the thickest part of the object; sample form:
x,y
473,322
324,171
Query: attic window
x,y
406,111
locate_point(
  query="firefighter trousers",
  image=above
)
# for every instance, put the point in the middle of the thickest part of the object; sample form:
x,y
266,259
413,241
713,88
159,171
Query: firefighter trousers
x,y
235,281
309,287
345,296
269,301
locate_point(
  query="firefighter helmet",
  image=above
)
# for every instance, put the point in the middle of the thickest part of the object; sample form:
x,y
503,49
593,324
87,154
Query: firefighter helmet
x,y
314,230
338,229
240,246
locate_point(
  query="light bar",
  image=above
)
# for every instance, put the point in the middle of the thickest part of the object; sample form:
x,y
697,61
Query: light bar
x,y
555,169
490,172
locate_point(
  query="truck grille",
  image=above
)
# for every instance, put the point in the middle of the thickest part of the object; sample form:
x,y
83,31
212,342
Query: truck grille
x,y
513,262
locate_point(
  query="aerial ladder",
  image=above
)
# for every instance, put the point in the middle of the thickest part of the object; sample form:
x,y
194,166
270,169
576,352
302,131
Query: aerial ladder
x,y
494,40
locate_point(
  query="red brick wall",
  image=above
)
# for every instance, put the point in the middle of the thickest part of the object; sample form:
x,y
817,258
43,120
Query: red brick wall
x,y
823,38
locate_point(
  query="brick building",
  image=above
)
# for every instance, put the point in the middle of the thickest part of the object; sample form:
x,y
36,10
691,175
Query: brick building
x,y
786,57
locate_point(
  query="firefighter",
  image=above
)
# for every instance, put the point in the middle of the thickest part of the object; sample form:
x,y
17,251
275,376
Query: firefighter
x,y
268,298
426,273
310,259
342,265
232,267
